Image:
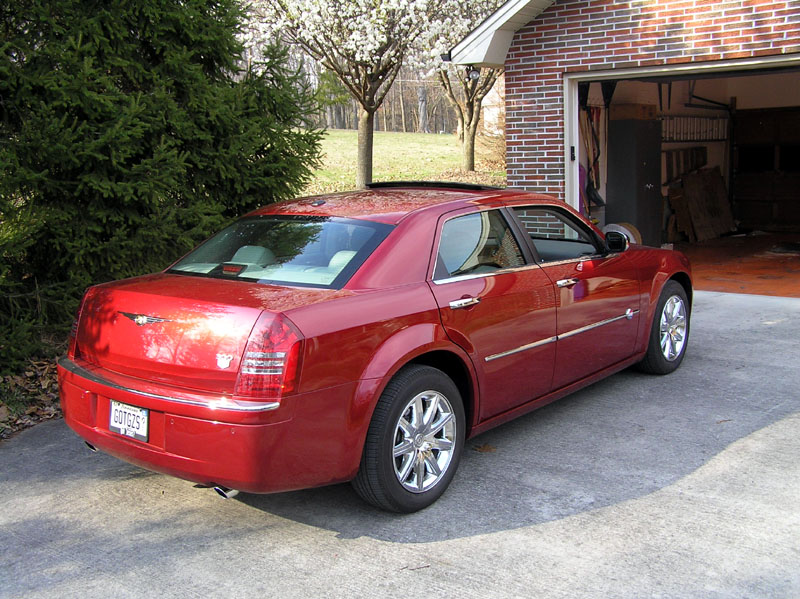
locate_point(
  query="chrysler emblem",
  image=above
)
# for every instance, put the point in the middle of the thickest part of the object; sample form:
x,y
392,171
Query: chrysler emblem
x,y
224,360
143,319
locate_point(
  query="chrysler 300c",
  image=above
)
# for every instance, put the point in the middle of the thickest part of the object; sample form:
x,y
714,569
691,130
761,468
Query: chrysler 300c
x,y
363,337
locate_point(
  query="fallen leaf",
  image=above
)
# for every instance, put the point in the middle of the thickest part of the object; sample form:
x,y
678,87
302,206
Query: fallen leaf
x,y
3,413
485,448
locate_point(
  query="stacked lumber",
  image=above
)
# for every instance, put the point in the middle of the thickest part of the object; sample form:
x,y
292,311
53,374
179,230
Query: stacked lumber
x,y
701,207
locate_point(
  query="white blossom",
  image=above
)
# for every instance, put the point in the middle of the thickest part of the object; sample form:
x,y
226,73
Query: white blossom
x,y
365,42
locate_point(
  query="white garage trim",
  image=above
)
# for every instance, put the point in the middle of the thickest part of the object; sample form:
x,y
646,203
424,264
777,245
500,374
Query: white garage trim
x,y
487,45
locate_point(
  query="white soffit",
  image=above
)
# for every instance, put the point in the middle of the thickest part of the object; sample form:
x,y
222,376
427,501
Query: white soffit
x,y
487,44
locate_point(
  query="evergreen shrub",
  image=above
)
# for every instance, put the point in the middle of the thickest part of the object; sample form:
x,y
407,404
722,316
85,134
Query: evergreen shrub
x,y
129,132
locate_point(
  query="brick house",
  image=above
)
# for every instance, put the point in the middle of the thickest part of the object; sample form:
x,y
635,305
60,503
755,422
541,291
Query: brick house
x,y
632,95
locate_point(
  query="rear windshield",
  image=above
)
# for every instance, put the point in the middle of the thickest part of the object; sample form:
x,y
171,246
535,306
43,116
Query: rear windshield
x,y
291,250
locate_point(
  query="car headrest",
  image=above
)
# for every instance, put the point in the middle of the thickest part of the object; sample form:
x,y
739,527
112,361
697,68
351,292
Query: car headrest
x,y
253,254
340,259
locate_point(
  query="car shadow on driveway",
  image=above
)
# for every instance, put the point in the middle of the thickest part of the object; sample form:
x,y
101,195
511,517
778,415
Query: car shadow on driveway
x,y
620,439
599,448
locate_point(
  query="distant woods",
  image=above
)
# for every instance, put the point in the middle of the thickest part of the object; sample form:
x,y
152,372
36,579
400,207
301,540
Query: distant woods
x,y
411,106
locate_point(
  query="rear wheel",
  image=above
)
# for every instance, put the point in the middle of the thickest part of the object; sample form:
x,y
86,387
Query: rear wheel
x,y
669,333
414,441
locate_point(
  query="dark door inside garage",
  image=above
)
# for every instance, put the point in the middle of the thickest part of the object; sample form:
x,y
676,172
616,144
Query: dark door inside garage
x,y
634,176
766,175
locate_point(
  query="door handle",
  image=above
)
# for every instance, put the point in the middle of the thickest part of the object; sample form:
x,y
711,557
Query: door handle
x,y
567,282
464,302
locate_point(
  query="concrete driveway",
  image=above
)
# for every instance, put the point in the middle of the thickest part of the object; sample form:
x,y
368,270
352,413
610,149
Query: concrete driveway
x,y
680,486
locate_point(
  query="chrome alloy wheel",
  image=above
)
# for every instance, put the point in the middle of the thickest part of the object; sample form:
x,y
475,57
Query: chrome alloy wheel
x,y
424,440
673,328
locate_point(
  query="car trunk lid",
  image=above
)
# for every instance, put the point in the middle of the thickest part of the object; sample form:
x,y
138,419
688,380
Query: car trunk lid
x,y
180,330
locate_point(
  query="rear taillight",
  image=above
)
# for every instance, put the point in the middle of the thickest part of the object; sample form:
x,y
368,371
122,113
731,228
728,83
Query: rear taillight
x,y
73,351
271,360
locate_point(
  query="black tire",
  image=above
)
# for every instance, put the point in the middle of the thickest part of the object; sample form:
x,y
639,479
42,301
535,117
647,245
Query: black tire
x,y
660,360
379,477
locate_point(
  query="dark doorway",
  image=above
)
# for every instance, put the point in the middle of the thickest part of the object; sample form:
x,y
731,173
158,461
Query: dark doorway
x,y
766,175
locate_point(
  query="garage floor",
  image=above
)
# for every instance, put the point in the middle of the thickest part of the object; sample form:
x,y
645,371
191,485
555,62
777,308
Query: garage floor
x,y
758,263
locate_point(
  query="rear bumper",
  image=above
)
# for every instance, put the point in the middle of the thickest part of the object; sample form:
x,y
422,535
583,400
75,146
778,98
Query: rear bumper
x,y
207,402
304,441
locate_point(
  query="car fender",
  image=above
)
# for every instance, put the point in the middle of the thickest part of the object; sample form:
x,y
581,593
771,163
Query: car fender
x,y
395,352
670,265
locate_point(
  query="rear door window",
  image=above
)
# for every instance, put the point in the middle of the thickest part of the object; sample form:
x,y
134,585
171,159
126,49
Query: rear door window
x,y
476,243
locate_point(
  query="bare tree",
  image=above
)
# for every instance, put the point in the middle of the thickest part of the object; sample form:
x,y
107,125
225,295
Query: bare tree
x,y
467,99
465,88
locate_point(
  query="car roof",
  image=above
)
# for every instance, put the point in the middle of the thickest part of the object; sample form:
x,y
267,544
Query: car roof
x,y
389,203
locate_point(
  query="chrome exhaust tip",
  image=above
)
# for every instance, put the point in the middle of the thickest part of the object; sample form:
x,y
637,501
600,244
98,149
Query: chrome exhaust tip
x,y
91,447
226,492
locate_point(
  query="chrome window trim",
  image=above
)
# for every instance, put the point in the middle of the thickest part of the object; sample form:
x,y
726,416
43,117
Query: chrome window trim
x,y
483,275
629,314
222,403
545,263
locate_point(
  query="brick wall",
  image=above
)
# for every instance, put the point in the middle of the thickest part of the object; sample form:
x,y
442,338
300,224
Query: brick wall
x,y
585,35
540,223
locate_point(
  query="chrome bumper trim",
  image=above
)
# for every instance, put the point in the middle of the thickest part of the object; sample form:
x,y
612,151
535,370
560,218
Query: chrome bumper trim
x,y
223,403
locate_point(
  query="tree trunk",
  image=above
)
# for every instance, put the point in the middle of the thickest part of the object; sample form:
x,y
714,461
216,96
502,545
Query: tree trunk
x,y
366,124
394,108
422,103
460,127
402,108
468,148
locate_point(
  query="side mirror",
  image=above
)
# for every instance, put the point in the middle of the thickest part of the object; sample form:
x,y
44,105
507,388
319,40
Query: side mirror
x,y
616,242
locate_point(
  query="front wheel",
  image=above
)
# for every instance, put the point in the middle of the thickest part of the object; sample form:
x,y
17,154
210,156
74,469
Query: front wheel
x,y
669,333
414,441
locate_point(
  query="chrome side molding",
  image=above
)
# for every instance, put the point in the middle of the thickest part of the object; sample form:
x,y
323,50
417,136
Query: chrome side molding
x,y
629,314
521,349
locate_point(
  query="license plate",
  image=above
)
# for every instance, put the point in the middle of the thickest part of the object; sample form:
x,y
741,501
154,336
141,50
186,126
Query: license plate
x,y
128,420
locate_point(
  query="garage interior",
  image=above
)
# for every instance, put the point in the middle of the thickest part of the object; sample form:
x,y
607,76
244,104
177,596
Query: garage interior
x,y
710,164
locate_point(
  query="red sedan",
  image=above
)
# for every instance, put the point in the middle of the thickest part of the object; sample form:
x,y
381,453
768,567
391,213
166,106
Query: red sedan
x,y
363,337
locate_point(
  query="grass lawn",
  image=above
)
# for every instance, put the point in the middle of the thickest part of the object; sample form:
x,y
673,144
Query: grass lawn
x,y
404,157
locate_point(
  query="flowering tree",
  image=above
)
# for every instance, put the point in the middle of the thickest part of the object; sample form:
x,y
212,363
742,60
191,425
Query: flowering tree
x,y
363,42
465,88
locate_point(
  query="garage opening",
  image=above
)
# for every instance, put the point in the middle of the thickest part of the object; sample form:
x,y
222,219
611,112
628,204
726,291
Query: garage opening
x,y
708,162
